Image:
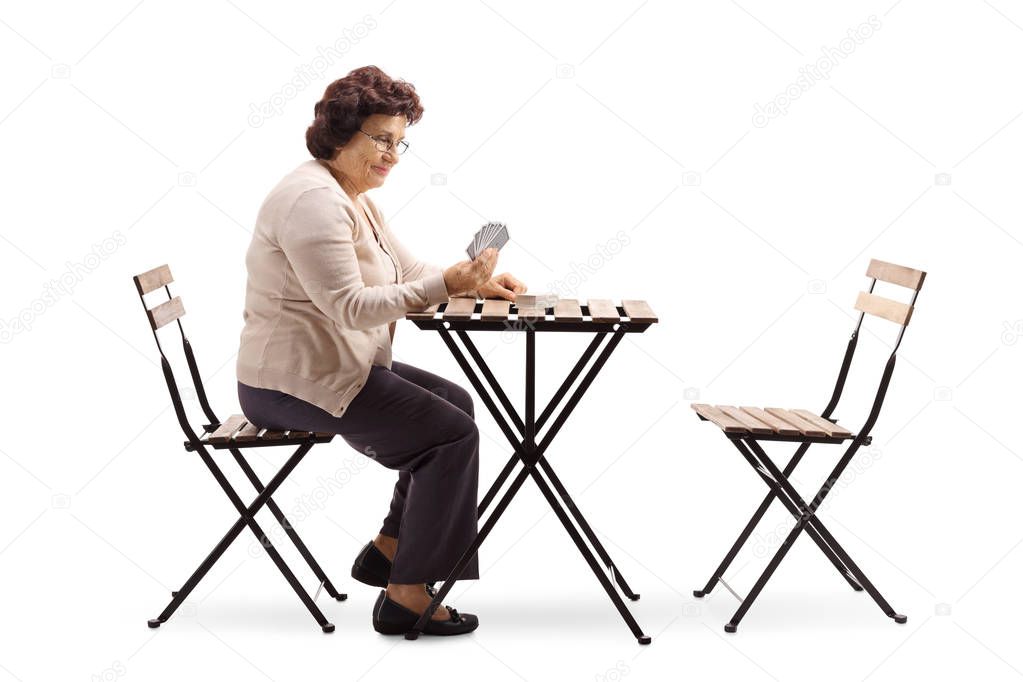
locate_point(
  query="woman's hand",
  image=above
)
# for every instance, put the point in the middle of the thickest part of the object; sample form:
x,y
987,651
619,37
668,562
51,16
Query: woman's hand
x,y
502,286
470,275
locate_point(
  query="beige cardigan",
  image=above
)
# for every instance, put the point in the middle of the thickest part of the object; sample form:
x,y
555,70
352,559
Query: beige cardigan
x,y
323,293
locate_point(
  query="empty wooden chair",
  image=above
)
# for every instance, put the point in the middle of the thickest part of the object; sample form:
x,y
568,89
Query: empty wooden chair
x,y
746,427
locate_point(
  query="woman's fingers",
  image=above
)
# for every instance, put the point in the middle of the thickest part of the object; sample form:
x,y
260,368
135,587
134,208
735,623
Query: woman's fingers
x,y
487,262
504,292
509,281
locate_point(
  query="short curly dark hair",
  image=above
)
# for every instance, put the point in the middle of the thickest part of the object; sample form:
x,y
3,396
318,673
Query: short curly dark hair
x,y
349,101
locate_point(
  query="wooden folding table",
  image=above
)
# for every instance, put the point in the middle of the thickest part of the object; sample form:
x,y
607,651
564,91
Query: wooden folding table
x,y
599,317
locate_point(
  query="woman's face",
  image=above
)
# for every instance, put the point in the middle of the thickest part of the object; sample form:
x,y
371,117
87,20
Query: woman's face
x,y
359,163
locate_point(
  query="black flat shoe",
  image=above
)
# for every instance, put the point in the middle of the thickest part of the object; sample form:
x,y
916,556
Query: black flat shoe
x,y
391,618
371,567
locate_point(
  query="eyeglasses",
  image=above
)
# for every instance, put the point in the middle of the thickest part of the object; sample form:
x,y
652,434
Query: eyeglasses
x,y
384,144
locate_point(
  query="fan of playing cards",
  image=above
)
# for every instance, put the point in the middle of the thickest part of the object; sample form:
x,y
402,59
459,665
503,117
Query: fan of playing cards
x,y
490,235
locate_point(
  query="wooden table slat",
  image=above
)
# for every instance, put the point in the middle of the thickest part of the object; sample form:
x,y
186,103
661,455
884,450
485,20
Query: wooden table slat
x,y
532,313
568,309
603,310
460,308
639,311
495,309
568,314
427,314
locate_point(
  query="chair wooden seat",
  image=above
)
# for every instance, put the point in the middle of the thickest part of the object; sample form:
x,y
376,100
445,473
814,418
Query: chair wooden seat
x,y
238,432
772,423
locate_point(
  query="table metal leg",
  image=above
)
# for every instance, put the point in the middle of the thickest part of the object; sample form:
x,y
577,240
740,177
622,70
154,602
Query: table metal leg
x,y
529,453
548,470
585,527
467,555
612,593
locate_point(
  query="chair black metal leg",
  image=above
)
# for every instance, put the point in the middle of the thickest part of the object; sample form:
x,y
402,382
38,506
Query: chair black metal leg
x,y
809,512
748,530
765,576
806,518
290,577
180,595
246,517
289,529
790,505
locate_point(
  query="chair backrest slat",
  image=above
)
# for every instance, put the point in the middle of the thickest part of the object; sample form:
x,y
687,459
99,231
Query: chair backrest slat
x,y
154,279
884,307
896,274
166,312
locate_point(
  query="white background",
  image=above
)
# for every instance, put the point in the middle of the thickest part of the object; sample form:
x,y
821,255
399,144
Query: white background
x,y
133,123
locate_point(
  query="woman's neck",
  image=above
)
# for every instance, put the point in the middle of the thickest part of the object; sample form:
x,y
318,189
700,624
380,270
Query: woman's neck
x,y
342,180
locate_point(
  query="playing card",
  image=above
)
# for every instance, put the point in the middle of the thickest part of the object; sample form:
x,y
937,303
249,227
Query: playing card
x,y
490,235
500,237
473,249
489,232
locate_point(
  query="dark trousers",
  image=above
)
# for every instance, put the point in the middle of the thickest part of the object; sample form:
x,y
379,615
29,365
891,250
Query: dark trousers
x,y
423,426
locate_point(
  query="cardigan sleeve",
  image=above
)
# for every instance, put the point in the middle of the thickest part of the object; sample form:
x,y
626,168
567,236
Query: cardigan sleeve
x,y
411,267
317,239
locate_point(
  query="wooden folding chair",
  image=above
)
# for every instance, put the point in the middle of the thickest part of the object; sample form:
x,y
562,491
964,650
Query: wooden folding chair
x,y
745,427
234,434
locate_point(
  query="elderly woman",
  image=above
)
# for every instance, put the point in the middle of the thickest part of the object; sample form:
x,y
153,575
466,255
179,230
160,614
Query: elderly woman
x,y
327,279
